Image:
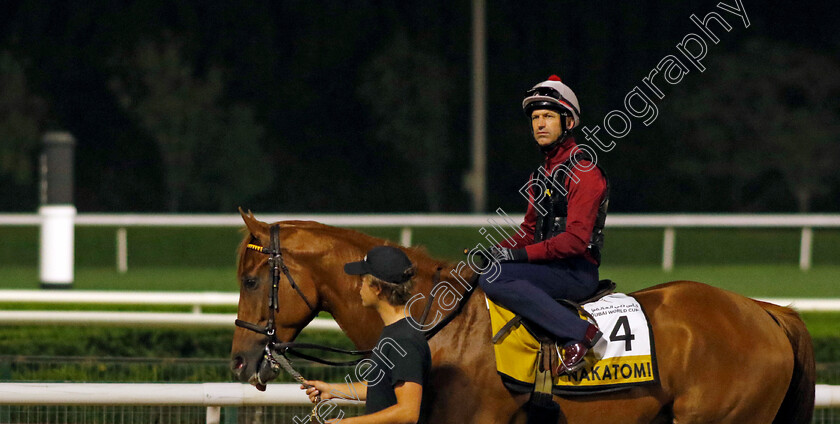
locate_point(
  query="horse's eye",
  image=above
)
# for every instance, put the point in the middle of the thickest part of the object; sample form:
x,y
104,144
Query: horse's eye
x,y
249,282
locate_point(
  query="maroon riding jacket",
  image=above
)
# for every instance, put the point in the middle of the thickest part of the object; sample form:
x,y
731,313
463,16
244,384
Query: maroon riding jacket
x,y
583,200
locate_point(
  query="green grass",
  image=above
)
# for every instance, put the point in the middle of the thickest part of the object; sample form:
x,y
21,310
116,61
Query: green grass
x,y
134,342
749,280
137,278
822,324
216,247
639,247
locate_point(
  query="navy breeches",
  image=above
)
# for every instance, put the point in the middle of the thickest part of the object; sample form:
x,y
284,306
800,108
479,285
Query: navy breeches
x,y
530,289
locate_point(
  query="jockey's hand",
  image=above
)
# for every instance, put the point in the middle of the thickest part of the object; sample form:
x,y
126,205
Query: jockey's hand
x,y
503,254
317,390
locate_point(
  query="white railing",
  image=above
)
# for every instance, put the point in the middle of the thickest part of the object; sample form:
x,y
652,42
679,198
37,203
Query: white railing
x,y
668,222
121,318
105,297
135,319
196,300
211,395
195,394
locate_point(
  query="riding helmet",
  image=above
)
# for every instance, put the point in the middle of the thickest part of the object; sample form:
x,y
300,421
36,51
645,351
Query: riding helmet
x,y
554,95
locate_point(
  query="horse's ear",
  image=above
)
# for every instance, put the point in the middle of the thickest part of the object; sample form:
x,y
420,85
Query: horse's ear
x,y
257,228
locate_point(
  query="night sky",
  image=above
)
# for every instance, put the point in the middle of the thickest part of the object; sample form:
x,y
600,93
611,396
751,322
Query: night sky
x,y
321,77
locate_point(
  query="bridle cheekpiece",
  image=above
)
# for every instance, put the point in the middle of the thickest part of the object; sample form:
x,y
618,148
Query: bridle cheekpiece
x,y
276,267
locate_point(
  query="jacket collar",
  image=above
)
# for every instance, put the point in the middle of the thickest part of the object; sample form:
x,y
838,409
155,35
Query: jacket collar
x,y
559,153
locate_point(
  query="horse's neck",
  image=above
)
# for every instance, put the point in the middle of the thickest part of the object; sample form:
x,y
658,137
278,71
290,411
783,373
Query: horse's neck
x,y
466,339
319,252
339,292
363,325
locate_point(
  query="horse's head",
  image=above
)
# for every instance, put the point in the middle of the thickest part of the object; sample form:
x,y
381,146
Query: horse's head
x,y
277,296
306,260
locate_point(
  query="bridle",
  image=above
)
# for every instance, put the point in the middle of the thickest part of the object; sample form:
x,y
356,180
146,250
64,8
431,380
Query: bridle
x,y
274,362
275,350
276,266
274,346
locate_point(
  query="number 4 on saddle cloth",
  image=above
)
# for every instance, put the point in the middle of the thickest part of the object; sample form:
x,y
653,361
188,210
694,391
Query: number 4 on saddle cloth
x,y
623,358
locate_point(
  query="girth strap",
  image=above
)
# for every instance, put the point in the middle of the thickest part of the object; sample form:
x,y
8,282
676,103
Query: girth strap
x,y
506,328
544,382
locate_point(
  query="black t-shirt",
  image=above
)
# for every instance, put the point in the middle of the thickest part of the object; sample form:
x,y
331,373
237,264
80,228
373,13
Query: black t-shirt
x,y
401,354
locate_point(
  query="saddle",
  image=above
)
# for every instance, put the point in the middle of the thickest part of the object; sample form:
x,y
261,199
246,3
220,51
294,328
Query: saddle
x,y
605,287
547,355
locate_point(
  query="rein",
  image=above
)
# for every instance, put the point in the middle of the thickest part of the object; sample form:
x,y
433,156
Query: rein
x,y
447,319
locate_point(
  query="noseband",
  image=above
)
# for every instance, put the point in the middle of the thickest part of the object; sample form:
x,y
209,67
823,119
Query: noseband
x,y
276,265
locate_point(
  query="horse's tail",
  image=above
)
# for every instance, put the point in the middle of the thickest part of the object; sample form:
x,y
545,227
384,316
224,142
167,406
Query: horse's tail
x,y
798,405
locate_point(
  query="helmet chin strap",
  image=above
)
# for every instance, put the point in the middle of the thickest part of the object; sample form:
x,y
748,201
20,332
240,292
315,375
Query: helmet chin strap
x,y
556,143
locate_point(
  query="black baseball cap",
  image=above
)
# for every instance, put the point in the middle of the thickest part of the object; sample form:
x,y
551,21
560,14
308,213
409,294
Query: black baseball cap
x,y
386,263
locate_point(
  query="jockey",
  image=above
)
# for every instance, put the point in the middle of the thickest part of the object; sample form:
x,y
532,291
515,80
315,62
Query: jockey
x,y
556,253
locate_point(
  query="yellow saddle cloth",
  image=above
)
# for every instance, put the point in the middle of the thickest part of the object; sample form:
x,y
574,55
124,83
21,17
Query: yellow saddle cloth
x,y
624,357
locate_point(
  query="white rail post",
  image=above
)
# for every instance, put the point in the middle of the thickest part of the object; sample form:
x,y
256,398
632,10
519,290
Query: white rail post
x,y
214,414
122,250
405,236
57,210
805,245
668,249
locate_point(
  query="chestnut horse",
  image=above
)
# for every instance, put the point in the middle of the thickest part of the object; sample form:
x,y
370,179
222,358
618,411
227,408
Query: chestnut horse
x,y
722,357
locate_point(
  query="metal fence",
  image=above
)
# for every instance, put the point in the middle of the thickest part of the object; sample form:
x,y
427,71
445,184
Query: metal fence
x,y
209,403
32,401
126,414
826,416
10,414
148,403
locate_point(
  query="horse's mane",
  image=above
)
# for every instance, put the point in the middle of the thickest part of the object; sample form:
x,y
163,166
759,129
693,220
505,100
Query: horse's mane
x,y
349,237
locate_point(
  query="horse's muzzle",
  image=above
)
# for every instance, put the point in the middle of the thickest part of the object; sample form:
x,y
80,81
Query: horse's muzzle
x,y
239,366
253,368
